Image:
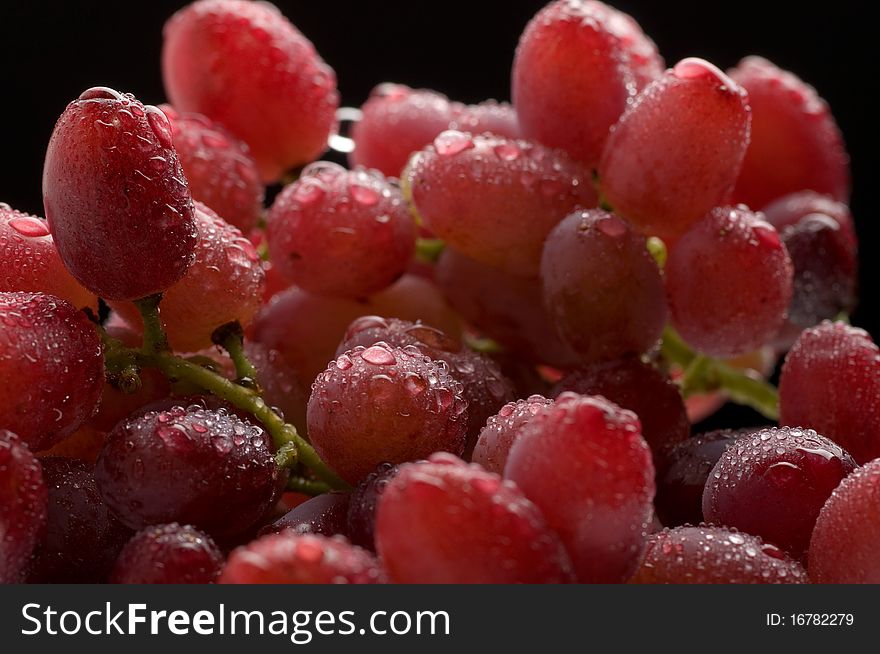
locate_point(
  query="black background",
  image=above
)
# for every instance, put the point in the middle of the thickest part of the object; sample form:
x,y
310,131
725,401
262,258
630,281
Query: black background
x,y
51,51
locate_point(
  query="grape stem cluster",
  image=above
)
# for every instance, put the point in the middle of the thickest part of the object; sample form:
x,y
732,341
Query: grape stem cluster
x,y
123,364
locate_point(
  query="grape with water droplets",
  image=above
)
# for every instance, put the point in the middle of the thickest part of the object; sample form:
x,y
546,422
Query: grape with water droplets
x,y
23,501
364,503
729,281
384,404
602,287
168,554
219,168
677,151
772,484
82,537
224,284
843,548
830,382
191,465
495,199
340,232
116,198
432,523
714,555
51,368
325,514
502,430
244,65
795,142
29,260
291,558
585,464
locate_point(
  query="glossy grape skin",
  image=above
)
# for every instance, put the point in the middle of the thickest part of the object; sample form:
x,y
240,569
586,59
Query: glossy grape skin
x,y
843,548
168,554
714,555
584,463
497,118
795,142
602,287
495,199
219,168
29,260
790,209
361,519
226,58
682,472
508,308
82,537
116,198
308,345
484,386
773,483
23,502
384,404
569,65
729,281
501,430
51,368
339,232
224,284
396,122
676,152
291,558
830,382
641,388
190,465
432,527
325,514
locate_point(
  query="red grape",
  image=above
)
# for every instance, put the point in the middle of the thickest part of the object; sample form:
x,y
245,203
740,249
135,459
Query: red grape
x,y
498,118
380,404
29,260
364,503
585,464
116,198
168,554
572,78
602,287
325,514
495,199
772,484
244,65
484,387
795,142
291,558
642,389
190,465
309,344
643,57
677,150
23,500
682,472
843,549
82,536
729,282
830,382
509,308
225,283
502,430
443,521
339,232
714,555
792,208
51,368
396,122
219,168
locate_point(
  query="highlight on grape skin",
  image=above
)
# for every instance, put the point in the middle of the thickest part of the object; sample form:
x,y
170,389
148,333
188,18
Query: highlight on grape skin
x,y
259,339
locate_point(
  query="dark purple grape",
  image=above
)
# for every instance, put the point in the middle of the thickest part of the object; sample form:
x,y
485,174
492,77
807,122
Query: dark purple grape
x,y
325,514
23,501
168,554
362,508
83,537
502,429
191,465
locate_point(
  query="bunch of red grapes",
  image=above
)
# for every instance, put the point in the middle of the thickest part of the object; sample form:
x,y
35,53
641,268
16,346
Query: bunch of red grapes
x,y
473,356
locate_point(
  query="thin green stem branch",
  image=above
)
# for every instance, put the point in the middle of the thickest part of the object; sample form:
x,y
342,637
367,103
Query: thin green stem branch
x,y
155,339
